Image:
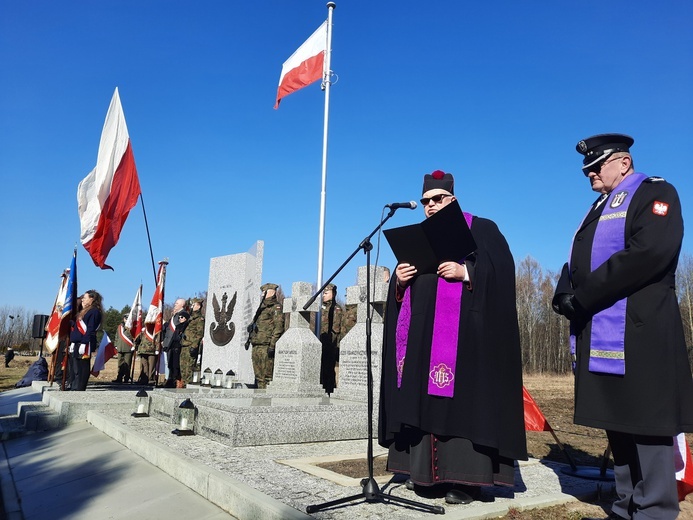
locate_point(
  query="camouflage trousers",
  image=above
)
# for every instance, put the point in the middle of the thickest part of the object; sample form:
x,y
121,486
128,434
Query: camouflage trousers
x,y
262,365
187,364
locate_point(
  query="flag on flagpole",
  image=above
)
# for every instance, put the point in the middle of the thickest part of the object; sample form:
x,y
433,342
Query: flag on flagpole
x,y
106,351
534,419
108,193
134,320
155,314
62,308
305,66
684,466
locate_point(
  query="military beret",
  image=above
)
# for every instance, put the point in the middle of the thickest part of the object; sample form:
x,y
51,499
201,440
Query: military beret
x,y
330,287
600,147
268,286
196,300
439,180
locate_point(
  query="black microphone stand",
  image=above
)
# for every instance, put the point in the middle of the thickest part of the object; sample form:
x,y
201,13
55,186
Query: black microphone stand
x,y
371,492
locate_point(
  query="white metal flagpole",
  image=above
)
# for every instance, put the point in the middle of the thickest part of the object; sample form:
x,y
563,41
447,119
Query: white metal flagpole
x,y
326,87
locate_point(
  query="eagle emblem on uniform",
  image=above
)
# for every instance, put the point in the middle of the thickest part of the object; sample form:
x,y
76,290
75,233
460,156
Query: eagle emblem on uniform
x,y
223,329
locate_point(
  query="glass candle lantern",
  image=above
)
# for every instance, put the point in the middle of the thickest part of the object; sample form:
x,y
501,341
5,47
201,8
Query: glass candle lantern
x,y
218,378
187,419
141,404
230,379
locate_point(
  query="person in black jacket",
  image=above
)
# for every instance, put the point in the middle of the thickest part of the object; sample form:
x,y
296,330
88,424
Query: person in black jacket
x,y
632,376
173,334
9,356
83,338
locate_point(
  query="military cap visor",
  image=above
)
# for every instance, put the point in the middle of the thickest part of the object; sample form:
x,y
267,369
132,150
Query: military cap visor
x,y
600,147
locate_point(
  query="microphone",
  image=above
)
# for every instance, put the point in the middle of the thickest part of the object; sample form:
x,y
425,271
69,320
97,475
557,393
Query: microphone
x,y
396,205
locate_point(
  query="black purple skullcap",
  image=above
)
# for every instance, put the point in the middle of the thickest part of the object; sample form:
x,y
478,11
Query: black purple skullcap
x,y
439,180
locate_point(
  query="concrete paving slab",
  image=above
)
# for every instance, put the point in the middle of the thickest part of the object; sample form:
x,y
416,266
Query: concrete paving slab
x,y
98,478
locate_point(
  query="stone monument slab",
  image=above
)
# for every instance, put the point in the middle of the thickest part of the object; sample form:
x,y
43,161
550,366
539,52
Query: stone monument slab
x,y
233,295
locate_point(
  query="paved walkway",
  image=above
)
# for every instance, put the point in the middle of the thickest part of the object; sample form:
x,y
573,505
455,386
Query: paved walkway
x,y
114,466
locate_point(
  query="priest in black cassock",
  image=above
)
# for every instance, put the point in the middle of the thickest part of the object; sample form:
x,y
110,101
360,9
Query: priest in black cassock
x,y
451,409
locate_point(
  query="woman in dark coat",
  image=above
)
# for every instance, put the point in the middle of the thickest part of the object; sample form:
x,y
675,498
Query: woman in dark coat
x,y
83,338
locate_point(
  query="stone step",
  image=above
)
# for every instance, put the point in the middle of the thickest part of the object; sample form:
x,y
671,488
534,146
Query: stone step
x,y
38,417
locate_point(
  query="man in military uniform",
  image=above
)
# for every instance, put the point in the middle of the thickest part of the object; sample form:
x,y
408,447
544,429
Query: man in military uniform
x,y
191,341
147,354
330,335
632,376
125,345
264,333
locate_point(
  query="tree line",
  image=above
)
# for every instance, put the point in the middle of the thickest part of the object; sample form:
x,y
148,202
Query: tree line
x,y
544,335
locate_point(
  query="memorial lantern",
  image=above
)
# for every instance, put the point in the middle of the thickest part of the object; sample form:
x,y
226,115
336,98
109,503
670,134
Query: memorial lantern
x,y
218,379
187,419
230,379
141,404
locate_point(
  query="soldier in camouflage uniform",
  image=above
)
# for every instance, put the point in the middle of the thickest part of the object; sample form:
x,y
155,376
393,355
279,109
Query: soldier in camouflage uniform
x,y
349,318
125,346
330,335
192,339
264,333
147,353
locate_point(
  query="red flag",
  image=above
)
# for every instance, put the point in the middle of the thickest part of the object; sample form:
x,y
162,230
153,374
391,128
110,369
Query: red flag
x,y
110,191
305,65
684,466
155,314
106,351
534,419
134,321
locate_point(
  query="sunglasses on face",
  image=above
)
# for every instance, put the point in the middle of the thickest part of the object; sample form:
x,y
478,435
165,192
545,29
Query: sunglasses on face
x,y
437,199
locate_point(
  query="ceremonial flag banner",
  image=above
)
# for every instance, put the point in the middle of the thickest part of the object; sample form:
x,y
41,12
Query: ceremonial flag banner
x,y
106,351
305,66
62,308
110,191
684,466
134,320
534,419
155,314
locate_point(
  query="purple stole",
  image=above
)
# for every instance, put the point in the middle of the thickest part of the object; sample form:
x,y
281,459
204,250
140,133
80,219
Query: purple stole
x,y
444,343
607,340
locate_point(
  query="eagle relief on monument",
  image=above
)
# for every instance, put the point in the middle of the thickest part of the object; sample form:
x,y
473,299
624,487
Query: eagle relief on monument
x,y
222,329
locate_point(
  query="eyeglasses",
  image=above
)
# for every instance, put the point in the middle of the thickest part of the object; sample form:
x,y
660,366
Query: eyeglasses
x,y
437,199
597,168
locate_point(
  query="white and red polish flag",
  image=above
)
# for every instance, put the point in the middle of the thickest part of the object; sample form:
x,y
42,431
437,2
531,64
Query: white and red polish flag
x,y
110,191
155,315
106,351
305,66
684,466
134,322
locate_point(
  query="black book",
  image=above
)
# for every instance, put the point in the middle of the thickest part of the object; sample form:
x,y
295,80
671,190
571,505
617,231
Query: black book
x,y
442,237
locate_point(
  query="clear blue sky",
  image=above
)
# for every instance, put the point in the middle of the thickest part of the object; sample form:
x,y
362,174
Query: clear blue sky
x,y
497,93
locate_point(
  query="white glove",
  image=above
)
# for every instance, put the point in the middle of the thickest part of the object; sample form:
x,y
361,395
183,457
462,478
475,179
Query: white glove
x,y
82,349
156,352
132,349
72,348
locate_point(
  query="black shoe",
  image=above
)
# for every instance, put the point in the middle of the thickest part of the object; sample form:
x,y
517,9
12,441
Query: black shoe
x,y
462,494
117,381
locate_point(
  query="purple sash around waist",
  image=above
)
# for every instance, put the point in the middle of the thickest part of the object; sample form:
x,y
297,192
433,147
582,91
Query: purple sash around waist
x,y
445,339
607,340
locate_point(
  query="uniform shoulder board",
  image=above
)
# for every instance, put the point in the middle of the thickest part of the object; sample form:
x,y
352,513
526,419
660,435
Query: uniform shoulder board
x,y
655,179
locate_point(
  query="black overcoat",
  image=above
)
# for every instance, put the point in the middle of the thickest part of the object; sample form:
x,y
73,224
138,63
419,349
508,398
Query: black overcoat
x,y
655,396
487,406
